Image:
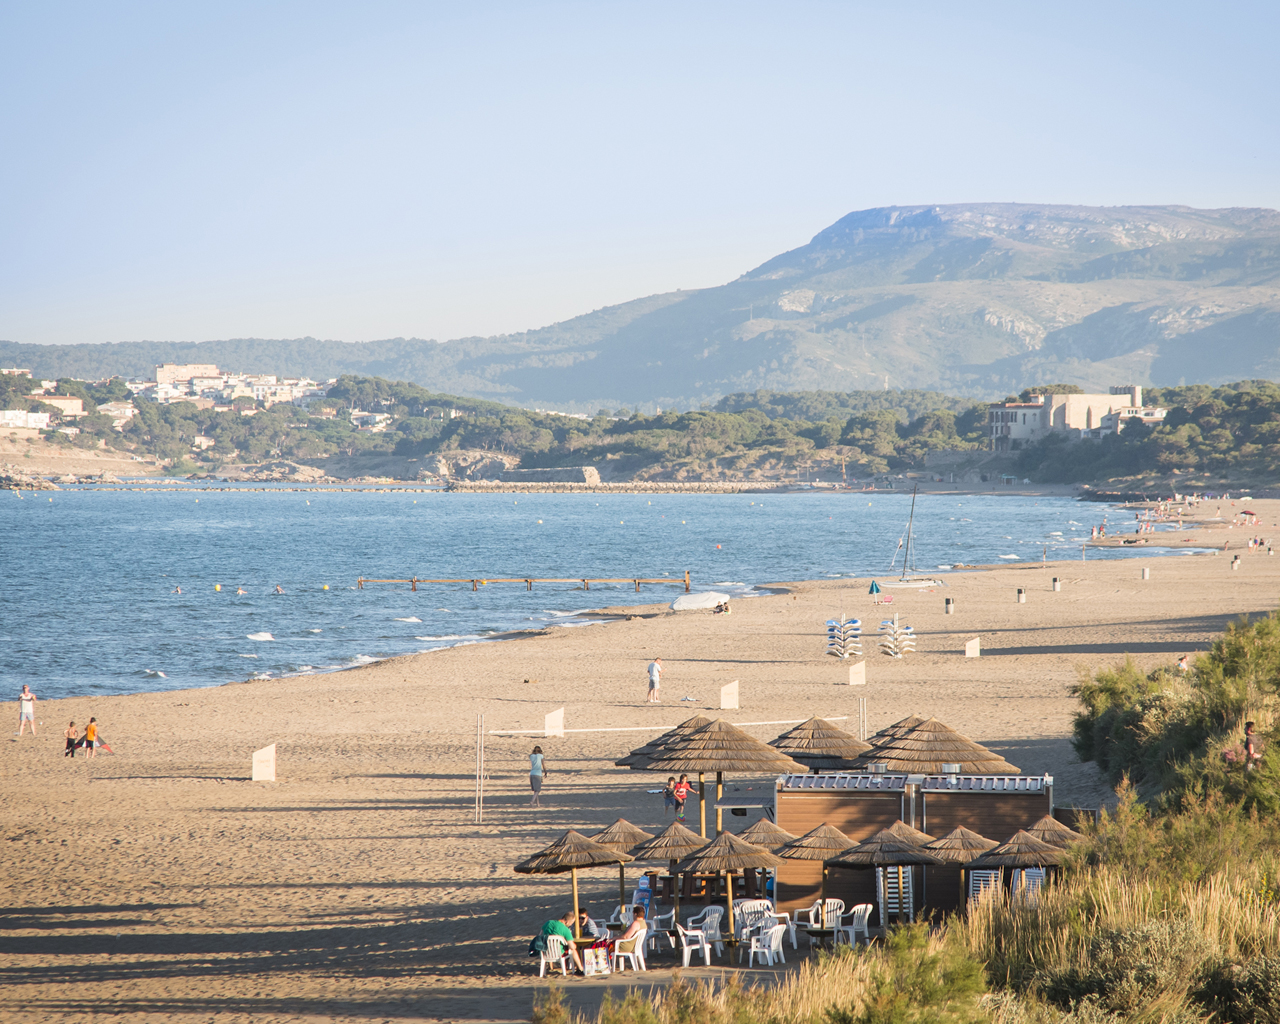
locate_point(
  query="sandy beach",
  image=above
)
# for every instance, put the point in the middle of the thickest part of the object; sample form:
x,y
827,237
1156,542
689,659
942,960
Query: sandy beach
x,y
161,884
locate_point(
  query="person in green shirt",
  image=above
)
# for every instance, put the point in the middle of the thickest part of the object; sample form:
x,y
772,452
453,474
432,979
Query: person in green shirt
x,y
560,926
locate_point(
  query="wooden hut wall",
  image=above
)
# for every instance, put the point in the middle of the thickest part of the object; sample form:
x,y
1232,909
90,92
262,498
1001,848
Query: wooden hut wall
x,y
994,815
859,816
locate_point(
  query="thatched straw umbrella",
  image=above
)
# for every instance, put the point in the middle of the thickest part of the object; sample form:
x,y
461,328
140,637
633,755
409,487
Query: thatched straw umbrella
x,y
621,836
1023,850
821,843
673,843
1050,830
960,846
926,747
642,755
720,747
911,835
765,833
885,849
902,725
820,745
728,853
571,851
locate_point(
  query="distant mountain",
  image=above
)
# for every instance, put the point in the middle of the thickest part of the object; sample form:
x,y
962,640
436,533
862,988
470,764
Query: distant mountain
x,y
975,299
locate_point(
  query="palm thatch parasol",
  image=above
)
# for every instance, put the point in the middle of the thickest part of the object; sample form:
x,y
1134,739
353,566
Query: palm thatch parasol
x,y
903,725
885,849
621,836
821,843
1050,830
926,747
1022,851
960,846
765,833
720,747
639,757
728,853
820,745
571,851
912,835
673,843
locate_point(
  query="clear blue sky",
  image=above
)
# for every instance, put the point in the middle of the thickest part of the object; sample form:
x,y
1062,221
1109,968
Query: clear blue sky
x,y
188,171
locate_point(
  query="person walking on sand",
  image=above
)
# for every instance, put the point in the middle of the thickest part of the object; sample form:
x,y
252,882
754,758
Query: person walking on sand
x,y
655,679
73,740
537,768
91,738
26,710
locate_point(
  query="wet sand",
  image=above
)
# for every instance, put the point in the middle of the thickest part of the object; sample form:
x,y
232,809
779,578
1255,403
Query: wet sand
x,y
161,884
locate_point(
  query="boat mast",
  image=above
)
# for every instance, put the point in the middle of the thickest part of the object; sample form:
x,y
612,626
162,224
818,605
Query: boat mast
x,y
908,563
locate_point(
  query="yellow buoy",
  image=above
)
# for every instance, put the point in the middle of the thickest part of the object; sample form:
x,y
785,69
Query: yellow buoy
x,y
326,586
217,586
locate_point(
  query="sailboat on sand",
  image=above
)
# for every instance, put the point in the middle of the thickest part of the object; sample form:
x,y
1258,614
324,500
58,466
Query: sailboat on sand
x,y
906,544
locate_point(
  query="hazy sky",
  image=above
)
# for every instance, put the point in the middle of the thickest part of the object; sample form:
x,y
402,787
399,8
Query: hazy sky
x,y
187,171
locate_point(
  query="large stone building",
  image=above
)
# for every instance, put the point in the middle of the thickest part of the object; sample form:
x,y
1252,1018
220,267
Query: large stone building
x,y
1014,424
181,373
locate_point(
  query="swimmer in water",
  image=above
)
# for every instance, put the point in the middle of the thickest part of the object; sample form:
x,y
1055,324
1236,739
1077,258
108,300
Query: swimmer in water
x,y
279,589
241,590
177,590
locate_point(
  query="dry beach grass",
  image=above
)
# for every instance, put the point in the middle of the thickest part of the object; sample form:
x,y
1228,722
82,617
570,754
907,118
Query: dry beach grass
x,y
161,884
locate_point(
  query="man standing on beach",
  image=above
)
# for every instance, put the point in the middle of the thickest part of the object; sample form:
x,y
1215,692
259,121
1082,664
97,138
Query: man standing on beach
x,y
655,679
26,709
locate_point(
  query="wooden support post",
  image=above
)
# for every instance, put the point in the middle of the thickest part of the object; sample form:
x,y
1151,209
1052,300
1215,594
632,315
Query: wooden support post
x,y
586,584
702,805
474,587
528,584
719,794
637,586
577,931
686,581
414,583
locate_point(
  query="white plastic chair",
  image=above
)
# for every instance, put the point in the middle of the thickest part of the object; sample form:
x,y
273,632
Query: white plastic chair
x,y
767,946
809,917
691,941
662,926
708,922
622,915
555,953
856,925
631,949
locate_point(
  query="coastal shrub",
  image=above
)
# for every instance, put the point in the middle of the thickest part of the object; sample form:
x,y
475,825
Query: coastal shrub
x,y
1176,736
918,977
1247,993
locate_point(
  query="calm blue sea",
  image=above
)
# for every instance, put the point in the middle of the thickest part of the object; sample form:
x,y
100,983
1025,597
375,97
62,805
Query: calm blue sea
x,y
88,580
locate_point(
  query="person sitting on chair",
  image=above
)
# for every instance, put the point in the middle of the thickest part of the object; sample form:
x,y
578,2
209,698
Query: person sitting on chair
x,y
587,927
560,927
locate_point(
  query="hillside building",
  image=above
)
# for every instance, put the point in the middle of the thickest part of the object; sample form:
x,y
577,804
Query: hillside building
x,y
182,373
1014,424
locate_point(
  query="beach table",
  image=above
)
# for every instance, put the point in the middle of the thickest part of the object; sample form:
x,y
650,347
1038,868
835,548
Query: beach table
x,y
822,936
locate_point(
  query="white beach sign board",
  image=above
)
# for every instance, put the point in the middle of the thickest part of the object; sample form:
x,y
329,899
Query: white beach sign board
x,y
729,696
553,724
264,764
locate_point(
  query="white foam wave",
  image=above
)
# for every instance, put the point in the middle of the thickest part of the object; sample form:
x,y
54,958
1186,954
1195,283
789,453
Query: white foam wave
x,y
248,655
259,636
411,618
